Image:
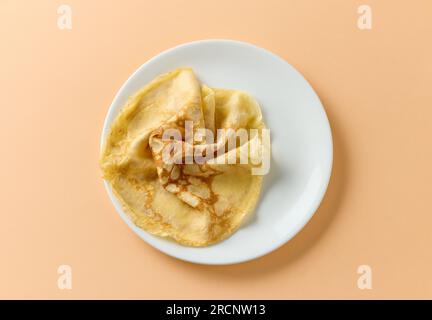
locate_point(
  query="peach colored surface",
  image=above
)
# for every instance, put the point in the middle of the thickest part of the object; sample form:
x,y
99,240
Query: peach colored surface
x,y
57,86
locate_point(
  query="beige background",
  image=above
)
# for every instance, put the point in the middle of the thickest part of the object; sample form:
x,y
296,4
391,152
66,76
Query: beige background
x,y
57,86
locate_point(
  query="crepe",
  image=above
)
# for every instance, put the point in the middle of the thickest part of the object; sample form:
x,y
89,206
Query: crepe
x,y
194,201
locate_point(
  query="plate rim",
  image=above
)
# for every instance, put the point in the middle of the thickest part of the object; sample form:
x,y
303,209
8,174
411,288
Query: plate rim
x,y
147,237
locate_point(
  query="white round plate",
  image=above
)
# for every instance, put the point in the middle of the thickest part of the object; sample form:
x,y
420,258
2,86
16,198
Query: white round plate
x,y
301,141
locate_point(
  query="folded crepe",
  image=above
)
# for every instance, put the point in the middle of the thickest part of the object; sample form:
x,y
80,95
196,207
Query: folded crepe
x,y
197,197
